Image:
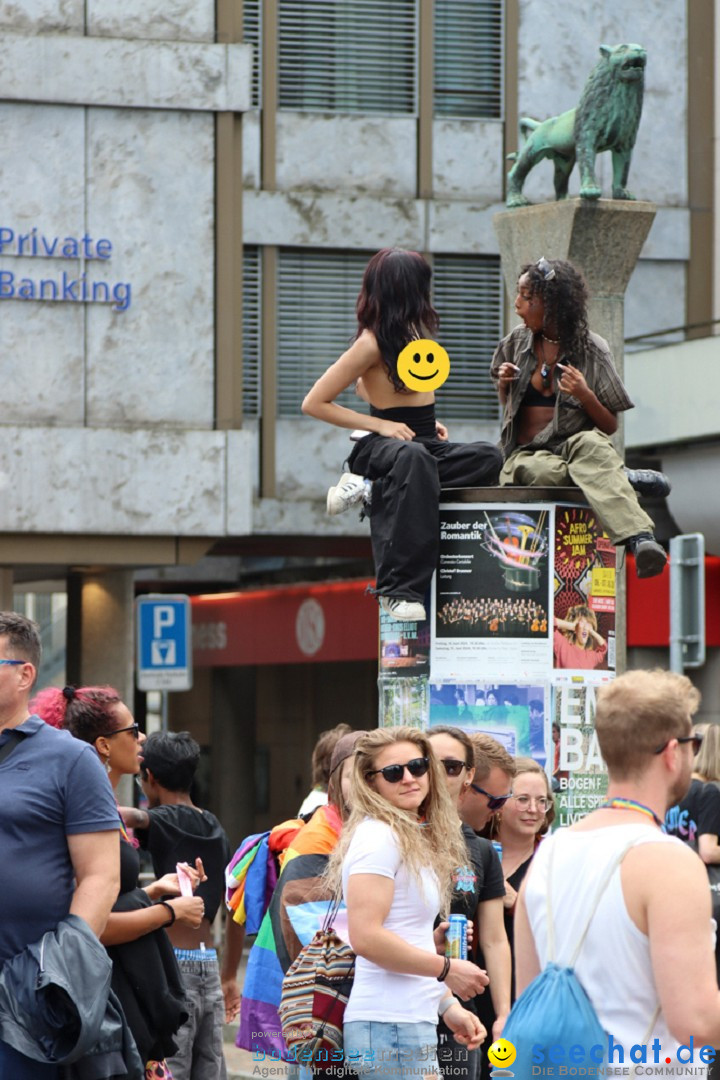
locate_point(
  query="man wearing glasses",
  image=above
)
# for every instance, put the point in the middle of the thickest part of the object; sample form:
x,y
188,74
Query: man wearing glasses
x,y
492,784
59,826
646,961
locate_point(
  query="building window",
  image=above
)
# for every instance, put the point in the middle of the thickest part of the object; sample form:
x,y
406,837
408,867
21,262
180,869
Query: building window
x,y
316,294
468,65
468,295
252,31
251,331
347,56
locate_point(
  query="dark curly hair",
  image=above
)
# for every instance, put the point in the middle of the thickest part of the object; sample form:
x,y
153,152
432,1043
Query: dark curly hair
x,y
564,296
394,302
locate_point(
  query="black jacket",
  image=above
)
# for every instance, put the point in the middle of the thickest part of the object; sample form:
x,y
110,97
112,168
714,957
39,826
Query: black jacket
x,y
56,1006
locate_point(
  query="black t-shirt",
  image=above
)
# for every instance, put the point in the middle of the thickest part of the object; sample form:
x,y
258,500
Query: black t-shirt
x,y
480,879
179,833
695,815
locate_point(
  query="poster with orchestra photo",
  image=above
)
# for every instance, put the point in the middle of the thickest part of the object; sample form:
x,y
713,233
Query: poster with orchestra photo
x,y
492,592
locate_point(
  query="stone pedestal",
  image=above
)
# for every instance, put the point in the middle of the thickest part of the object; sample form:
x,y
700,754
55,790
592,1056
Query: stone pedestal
x,y
604,240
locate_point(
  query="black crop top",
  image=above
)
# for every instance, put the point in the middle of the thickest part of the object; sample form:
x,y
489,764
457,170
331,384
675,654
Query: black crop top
x,y
534,397
421,418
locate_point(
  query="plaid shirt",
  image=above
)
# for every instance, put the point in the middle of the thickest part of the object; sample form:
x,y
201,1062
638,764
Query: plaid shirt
x,y
597,366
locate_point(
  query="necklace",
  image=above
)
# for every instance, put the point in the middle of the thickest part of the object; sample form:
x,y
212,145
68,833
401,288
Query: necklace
x,y
546,370
552,340
630,804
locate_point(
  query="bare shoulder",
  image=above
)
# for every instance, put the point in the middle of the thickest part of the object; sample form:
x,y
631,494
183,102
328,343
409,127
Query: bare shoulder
x,y
656,861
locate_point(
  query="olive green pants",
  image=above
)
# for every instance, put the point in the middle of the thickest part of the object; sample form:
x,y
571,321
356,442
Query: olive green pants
x,y
590,461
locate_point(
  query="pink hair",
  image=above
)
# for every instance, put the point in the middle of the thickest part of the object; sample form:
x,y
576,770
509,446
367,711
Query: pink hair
x,y
51,704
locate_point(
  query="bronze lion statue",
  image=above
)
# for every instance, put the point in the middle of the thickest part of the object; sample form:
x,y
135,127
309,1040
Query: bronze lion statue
x,y
607,118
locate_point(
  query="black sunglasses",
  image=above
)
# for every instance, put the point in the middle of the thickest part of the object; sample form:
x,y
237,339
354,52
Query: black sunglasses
x,y
452,766
495,802
696,741
135,728
394,773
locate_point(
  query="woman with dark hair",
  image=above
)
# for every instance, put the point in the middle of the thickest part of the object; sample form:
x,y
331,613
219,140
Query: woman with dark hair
x,y
406,454
561,395
577,643
145,974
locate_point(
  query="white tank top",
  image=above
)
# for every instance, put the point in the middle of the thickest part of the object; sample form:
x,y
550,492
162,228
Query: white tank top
x,y
614,962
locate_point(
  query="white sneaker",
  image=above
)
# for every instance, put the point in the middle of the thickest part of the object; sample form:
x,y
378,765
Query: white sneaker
x,y
402,610
349,491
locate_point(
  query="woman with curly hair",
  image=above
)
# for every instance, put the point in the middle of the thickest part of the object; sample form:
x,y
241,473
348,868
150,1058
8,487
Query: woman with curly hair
x,y
396,860
406,454
577,643
145,973
561,395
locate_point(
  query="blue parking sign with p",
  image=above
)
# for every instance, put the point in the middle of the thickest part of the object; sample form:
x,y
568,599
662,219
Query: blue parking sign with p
x,y
164,656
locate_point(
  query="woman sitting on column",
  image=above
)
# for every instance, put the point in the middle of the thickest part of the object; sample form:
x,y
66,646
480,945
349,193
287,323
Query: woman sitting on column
x,y
561,395
406,455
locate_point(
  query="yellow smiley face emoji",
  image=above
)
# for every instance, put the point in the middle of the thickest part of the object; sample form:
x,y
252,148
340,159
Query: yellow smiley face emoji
x,y
501,1053
423,365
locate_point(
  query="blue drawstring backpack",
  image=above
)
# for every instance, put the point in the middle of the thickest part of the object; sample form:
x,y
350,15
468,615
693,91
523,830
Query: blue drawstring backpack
x,y
554,1010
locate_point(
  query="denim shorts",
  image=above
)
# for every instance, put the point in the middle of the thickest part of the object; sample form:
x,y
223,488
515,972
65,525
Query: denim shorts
x,y
373,1048
199,1054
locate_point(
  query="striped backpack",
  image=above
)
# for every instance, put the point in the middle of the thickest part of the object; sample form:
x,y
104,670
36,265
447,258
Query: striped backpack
x,y
315,992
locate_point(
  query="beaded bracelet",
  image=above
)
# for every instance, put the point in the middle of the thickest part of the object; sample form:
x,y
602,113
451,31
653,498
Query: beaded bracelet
x,y
171,909
444,973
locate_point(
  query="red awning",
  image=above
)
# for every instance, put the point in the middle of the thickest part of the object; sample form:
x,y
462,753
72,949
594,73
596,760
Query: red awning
x,y
286,625
648,606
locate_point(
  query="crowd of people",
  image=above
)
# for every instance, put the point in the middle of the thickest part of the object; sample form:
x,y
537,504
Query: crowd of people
x,y
516,617
408,828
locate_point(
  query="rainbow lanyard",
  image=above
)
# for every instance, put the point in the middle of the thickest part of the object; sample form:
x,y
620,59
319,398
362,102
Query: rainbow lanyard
x,y
630,804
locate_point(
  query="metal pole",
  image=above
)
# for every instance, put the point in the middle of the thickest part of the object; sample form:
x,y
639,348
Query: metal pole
x,y
164,710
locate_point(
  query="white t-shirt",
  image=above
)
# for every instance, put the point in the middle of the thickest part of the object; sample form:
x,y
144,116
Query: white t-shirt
x,y
378,994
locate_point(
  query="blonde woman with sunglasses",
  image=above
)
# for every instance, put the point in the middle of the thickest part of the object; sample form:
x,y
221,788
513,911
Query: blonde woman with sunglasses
x,y
395,863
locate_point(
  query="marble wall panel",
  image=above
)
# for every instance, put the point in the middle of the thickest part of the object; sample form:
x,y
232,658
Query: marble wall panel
x,y
143,483
41,188
150,191
322,220
655,299
464,228
251,149
556,56
125,72
42,16
468,160
347,153
241,452
165,20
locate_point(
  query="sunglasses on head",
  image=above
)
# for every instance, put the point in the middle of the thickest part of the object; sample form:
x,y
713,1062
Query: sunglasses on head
x,y
394,773
452,766
547,271
495,802
696,741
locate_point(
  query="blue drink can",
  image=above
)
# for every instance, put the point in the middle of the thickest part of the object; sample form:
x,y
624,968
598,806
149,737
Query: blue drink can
x,y
456,938
498,848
